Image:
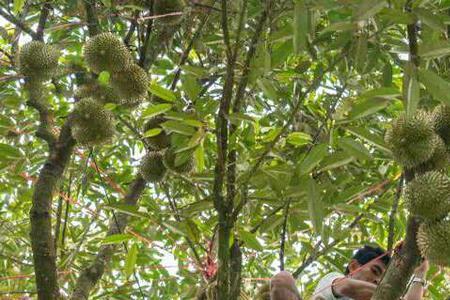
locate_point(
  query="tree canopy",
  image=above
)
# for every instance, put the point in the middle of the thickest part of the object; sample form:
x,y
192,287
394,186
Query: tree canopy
x,y
272,116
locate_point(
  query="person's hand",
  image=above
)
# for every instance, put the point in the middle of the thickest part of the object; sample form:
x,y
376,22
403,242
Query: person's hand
x,y
421,271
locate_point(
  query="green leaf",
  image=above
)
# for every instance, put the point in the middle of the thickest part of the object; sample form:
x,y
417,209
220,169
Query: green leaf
x,y
268,88
367,107
176,227
130,210
383,92
368,8
8,152
411,92
354,148
361,53
178,127
314,205
430,19
155,110
436,85
117,238
199,156
162,92
372,138
300,26
314,157
434,49
131,260
18,5
152,132
191,87
335,160
103,78
250,240
299,138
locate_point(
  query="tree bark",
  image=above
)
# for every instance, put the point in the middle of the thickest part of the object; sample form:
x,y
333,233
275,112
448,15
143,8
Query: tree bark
x,y
42,242
92,274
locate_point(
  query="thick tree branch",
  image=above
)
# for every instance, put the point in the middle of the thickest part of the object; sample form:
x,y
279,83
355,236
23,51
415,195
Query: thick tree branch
x,y
42,21
42,241
393,213
91,17
92,274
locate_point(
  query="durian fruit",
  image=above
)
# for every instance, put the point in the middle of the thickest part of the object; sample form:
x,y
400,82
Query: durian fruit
x,y
102,93
428,195
441,122
38,60
439,160
433,240
107,52
92,124
36,90
152,167
179,162
131,84
160,141
163,7
411,139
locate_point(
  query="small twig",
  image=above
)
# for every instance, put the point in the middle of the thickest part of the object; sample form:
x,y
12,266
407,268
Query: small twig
x,y
283,235
19,24
393,213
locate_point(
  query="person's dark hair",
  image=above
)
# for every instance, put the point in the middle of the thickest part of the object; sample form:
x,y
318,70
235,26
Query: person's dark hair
x,y
368,253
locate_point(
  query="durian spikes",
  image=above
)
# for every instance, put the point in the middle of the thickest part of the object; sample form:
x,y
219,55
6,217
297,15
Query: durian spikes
x,y
439,160
160,141
152,167
165,7
412,139
92,124
38,60
131,84
433,240
428,195
101,93
107,52
179,162
441,122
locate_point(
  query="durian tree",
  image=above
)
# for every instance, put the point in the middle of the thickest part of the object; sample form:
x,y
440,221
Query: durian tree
x,y
190,149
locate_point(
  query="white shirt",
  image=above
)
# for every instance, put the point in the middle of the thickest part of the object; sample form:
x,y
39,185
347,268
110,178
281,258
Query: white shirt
x,y
324,290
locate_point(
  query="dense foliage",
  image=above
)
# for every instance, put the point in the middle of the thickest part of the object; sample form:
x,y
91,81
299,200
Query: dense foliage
x,y
312,87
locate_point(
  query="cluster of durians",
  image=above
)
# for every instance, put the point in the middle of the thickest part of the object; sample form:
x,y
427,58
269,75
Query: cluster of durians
x,y
421,144
161,157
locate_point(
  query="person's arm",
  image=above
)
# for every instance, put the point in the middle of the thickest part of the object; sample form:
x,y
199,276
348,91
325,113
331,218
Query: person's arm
x,y
417,289
352,288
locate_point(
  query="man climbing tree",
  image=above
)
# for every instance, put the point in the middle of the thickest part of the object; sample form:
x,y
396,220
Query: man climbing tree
x,y
190,149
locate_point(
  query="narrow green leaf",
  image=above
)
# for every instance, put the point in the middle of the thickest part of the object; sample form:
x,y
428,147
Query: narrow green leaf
x,y
383,92
412,93
299,138
199,155
250,240
434,49
314,157
354,148
117,238
335,160
367,107
8,152
368,8
268,88
155,110
430,19
162,92
300,26
131,260
361,53
191,87
130,210
178,127
314,205
372,138
436,85
152,132
103,78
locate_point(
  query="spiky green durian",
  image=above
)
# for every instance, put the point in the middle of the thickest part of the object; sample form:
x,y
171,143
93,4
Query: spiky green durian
x,y
92,124
160,141
102,93
179,162
428,195
165,7
38,60
411,139
107,52
441,122
131,84
152,167
433,240
439,160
